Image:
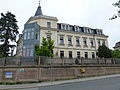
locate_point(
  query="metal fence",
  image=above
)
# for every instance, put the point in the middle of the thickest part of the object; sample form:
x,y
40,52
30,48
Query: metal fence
x,y
55,61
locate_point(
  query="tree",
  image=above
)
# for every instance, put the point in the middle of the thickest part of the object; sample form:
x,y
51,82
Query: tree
x,y
8,33
104,52
116,53
46,48
117,4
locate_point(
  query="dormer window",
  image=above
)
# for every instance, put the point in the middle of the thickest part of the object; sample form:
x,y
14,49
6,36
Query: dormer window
x,y
85,30
77,29
70,28
63,27
89,31
49,24
67,27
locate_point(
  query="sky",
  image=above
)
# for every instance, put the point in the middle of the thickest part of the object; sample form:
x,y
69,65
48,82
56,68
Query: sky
x,y
89,13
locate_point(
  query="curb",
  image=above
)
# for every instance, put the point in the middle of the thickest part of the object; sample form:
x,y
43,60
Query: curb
x,y
24,86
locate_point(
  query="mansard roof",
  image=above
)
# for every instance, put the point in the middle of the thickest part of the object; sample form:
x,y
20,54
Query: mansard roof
x,y
117,44
79,29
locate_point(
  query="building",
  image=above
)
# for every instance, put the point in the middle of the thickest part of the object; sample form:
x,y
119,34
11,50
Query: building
x,y
19,45
117,46
70,41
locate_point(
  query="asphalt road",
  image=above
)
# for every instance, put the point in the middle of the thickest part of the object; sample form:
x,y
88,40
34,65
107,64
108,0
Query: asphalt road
x,y
101,84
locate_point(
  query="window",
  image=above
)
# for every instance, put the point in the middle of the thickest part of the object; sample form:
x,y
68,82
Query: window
x,y
32,35
69,40
61,40
28,50
85,30
37,36
32,29
25,36
86,55
24,52
103,43
49,24
63,27
77,28
48,37
101,32
88,30
31,52
99,43
61,54
28,35
93,55
85,42
78,55
70,54
67,27
70,28
27,54
77,41
92,43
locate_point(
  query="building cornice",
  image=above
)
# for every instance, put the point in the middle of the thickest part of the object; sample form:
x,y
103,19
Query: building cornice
x,y
41,17
76,48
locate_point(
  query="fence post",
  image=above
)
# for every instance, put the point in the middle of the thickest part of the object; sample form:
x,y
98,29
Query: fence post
x,y
5,61
20,60
82,62
113,61
39,61
105,60
63,61
98,61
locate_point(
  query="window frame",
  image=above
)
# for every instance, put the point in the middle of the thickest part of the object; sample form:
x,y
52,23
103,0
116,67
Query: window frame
x,y
48,24
77,41
70,54
86,55
61,39
69,40
61,54
78,54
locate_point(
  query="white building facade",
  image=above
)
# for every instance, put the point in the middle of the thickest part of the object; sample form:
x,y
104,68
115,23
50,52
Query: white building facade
x,y
70,41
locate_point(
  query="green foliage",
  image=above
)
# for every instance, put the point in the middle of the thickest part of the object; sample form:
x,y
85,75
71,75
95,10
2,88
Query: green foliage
x,y
1,56
116,53
8,33
117,4
104,52
46,48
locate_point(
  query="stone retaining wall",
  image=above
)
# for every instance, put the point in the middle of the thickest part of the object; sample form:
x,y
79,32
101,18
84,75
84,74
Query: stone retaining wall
x,y
46,73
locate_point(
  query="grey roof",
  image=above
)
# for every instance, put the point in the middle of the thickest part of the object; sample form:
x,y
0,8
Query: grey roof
x,y
117,44
39,11
41,17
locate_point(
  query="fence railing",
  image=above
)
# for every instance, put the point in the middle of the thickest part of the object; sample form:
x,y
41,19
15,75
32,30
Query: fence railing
x,y
55,61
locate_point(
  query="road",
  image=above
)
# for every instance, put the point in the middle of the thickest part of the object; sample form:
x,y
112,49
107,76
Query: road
x,y
100,84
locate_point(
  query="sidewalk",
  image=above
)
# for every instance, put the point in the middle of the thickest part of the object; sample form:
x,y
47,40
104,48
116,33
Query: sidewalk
x,y
23,86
